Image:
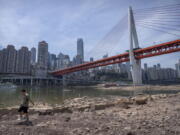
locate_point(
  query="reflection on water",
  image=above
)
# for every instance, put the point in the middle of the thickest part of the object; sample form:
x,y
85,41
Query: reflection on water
x,y
55,95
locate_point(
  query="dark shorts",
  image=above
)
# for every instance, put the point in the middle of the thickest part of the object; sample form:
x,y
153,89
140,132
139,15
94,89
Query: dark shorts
x,y
23,109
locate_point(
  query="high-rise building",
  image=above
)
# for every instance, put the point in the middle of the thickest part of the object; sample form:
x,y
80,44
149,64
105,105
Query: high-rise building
x,y
78,60
91,59
178,69
158,73
80,48
105,56
145,66
11,59
158,66
23,60
5,58
60,61
33,56
63,61
52,62
43,55
49,61
66,61
1,61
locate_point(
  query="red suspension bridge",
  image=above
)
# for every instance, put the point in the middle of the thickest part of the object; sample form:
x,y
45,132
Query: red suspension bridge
x,y
155,50
166,14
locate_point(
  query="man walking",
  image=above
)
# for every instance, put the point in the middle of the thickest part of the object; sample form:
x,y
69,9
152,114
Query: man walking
x,y
23,109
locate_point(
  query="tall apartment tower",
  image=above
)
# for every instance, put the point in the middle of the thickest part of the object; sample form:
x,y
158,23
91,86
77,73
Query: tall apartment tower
x,y
2,60
158,66
178,69
10,59
23,60
53,63
80,48
43,55
145,66
33,56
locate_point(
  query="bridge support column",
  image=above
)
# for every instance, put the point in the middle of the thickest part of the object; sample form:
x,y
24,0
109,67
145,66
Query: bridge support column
x,y
31,81
64,80
133,41
21,81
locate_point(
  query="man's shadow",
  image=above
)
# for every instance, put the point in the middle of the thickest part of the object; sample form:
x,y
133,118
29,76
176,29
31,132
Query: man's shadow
x,y
26,123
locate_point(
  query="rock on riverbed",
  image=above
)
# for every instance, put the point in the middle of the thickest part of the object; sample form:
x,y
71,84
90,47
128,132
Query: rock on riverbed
x,y
113,115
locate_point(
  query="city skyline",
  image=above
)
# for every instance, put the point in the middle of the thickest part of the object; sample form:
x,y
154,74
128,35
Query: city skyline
x,y
22,62
34,60
80,19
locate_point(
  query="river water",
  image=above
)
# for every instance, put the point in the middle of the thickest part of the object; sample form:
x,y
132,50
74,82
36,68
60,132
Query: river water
x,y
56,95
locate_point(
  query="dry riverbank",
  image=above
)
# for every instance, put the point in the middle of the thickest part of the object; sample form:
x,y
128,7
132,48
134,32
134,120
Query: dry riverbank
x,y
140,88
113,115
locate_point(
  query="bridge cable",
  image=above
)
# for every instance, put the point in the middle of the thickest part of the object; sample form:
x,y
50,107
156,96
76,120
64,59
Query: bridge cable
x,y
157,29
160,26
110,40
157,23
158,8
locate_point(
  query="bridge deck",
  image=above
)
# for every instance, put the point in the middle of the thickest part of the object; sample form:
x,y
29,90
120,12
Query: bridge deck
x,y
155,50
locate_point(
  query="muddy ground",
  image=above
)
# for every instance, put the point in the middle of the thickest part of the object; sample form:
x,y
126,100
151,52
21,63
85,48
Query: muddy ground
x,y
141,115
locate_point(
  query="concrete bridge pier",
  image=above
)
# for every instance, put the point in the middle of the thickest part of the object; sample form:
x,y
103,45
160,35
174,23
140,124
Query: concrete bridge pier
x,y
134,44
21,81
31,82
55,82
47,82
64,82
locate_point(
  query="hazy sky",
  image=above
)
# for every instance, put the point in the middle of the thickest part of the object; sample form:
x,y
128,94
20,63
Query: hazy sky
x,y
61,22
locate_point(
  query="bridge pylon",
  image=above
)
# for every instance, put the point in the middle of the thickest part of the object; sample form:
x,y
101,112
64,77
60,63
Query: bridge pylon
x,y
133,42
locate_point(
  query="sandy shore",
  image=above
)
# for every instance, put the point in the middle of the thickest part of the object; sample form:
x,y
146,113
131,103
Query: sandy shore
x,y
113,115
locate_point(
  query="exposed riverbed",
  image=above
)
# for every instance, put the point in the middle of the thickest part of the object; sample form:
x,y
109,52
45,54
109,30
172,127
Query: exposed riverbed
x,y
94,111
111,115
